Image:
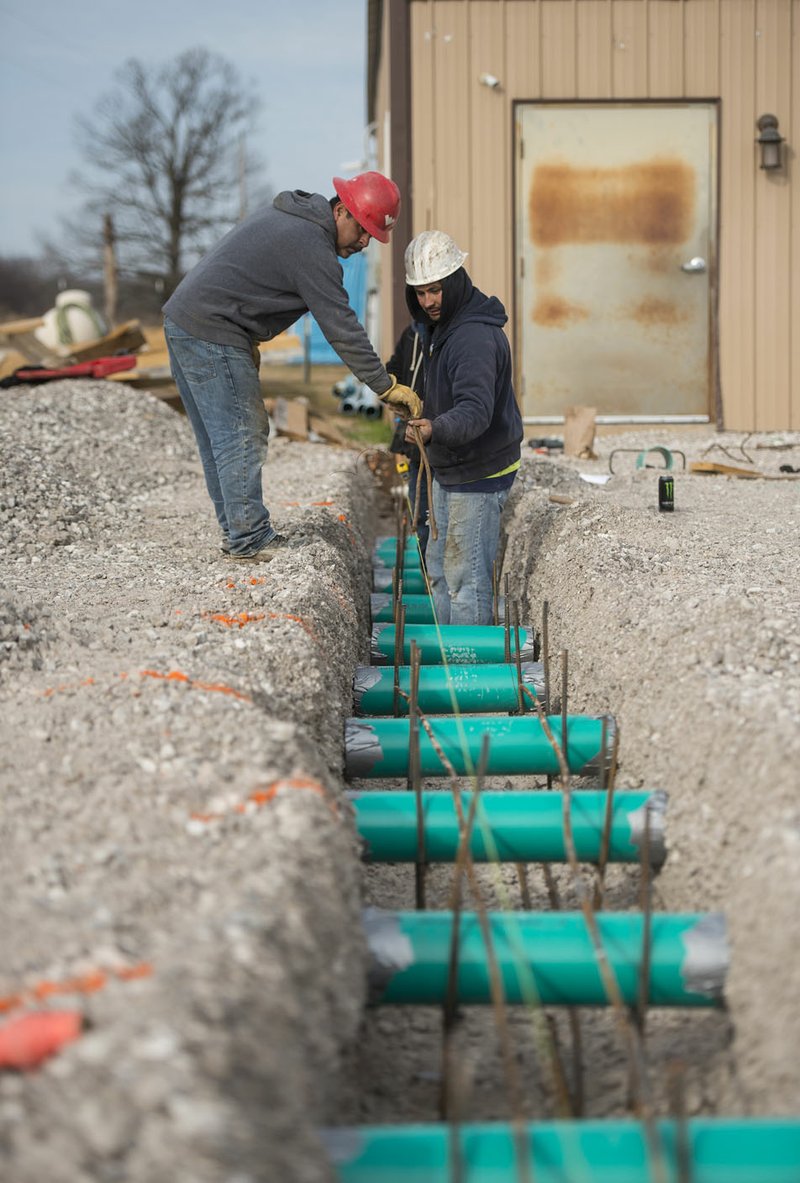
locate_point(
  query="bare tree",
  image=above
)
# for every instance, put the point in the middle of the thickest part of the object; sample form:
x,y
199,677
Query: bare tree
x,y
165,160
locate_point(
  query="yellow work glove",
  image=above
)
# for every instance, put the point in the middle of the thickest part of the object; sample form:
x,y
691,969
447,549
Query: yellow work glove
x,y
403,401
256,352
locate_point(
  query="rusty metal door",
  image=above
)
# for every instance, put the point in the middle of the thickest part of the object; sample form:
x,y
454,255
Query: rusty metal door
x,y
616,258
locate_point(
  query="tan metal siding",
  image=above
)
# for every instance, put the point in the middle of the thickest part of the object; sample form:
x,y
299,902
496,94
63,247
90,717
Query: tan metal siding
x,y
792,128
742,51
559,40
701,48
629,41
595,50
773,225
490,152
737,225
665,42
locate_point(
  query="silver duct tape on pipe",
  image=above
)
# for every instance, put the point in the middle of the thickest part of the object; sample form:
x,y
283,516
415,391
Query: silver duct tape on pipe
x,y
657,844
390,950
365,677
382,578
533,678
376,657
378,601
708,957
602,760
362,746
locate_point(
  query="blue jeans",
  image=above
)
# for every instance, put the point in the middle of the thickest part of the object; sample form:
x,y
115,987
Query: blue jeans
x,y
460,561
220,390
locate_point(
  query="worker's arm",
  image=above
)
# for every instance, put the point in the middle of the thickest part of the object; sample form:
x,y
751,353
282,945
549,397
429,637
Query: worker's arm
x,y
323,293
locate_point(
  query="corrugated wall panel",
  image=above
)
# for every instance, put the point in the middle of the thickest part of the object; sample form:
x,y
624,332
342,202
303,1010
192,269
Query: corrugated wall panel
x,y
737,228
492,209
384,273
627,49
423,171
794,299
701,49
665,41
595,50
523,50
773,223
629,42
452,96
558,49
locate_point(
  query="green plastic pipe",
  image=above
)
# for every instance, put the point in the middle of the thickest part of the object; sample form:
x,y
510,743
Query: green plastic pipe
x,y
518,745
714,1150
462,644
413,580
447,690
419,608
545,958
519,827
384,553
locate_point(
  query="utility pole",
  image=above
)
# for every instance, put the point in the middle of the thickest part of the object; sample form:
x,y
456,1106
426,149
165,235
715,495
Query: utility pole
x,y
109,271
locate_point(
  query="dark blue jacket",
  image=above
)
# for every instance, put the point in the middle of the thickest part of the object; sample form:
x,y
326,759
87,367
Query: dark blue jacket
x,y
469,397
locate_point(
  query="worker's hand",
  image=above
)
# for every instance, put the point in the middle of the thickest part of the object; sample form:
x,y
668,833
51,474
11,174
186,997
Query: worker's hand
x,y
423,426
402,400
256,355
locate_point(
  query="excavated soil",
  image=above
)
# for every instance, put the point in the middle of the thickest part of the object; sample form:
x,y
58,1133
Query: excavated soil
x,y
179,863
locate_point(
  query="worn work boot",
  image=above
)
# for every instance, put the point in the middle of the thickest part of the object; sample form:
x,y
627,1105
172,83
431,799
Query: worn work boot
x,y
266,554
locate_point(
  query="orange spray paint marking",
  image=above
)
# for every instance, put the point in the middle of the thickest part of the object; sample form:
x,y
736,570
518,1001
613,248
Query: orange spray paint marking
x,y
88,983
25,1042
298,620
238,621
214,687
263,794
65,686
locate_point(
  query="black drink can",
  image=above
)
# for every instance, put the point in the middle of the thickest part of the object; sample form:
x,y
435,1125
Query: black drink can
x,y
666,493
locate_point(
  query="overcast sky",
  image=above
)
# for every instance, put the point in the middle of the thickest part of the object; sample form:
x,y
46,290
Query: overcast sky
x,y
57,57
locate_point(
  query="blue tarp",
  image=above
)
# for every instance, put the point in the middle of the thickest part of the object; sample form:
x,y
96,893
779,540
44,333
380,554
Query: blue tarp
x,y
355,282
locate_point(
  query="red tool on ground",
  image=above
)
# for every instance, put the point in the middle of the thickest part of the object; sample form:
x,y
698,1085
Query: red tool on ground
x,y
100,367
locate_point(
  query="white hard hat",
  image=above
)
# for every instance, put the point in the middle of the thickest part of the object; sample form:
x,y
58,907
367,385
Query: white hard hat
x,y
430,256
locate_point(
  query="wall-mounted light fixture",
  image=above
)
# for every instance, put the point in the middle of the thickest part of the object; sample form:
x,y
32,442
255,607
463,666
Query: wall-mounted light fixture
x,y
489,80
769,142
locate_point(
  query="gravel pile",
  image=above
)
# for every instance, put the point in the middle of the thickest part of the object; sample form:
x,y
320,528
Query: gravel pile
x,y
177,863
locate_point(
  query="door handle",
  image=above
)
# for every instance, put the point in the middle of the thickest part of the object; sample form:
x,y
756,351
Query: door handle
x,y
694,265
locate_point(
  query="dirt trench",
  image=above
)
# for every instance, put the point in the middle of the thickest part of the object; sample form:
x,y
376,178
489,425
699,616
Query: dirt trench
x,y
686,628
179,863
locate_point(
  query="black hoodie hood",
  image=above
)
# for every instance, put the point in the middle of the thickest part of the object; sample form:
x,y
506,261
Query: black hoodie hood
x,y
456,291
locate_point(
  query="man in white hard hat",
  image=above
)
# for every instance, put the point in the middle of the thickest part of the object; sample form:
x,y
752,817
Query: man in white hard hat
x,y
472,426
266,273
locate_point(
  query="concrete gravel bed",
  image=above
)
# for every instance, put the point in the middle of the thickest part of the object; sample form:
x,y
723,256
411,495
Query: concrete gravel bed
x,y
146,680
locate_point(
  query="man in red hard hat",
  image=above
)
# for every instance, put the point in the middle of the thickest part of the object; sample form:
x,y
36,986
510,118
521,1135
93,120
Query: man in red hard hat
x,y
276,265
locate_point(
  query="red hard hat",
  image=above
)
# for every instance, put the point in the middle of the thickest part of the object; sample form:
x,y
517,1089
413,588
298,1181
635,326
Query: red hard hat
x,y
373,200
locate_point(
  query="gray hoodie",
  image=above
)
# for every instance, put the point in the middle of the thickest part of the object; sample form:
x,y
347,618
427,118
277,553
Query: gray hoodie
x,y
266,273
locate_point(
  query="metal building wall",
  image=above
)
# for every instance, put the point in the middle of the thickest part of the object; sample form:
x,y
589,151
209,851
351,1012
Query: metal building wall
x,y
747,52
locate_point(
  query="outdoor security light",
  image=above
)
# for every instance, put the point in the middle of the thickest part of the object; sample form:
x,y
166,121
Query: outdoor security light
x,y
769,141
